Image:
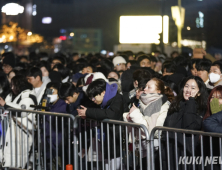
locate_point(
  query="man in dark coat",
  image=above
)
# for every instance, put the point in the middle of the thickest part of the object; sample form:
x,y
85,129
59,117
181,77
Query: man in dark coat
x,y
112,107
74,97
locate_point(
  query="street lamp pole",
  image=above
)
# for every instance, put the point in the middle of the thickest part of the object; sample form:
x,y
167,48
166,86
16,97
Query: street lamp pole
x,y
178,13
161,38
179,32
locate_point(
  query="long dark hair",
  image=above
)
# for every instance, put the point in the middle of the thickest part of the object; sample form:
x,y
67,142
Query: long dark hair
x,y
20,84
201,99
4,83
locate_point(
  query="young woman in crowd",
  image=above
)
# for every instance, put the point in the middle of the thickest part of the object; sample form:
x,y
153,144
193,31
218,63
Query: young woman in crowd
x,y
214,102
21,97
152,109
212,122
185,112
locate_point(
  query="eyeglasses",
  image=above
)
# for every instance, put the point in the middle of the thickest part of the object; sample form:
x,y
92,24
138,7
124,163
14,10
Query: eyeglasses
x,y
120,64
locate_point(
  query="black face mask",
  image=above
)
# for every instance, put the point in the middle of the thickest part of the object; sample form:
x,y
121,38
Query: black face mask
x,y
112,79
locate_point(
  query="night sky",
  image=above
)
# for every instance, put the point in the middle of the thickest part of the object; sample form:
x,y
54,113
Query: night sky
x,y
104,15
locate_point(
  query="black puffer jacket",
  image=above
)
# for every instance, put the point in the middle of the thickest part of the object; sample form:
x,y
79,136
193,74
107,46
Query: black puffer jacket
x,y
113,110
186,118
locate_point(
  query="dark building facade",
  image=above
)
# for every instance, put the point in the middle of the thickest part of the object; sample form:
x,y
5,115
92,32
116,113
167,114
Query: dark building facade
x,y
96,14
213,23
194,27
104,15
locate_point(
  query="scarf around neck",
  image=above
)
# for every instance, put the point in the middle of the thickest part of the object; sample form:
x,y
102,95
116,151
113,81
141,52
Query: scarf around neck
x,y
152,103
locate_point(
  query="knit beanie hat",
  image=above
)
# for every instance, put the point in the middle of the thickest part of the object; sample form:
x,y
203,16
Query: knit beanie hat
x,y
118,60
9,60
92,77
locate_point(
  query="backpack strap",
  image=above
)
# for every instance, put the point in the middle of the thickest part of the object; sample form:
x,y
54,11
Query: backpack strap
x,y
33,98
18,101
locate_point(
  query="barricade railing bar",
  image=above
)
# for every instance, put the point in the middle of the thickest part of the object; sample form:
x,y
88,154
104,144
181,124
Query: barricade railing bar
x,y
46,141
186,149
114,134
31,136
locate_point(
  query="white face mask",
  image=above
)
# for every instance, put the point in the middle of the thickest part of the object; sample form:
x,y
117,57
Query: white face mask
x,y
53,97
214,77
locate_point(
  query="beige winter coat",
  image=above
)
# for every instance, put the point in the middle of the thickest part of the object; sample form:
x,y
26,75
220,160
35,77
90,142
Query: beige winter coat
x,y
157,119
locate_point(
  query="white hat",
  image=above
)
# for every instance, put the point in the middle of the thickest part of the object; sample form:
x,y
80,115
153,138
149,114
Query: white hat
x,y
118,60
92,77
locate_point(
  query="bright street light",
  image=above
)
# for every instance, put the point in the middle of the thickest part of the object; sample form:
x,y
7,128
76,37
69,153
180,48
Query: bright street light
x,y
11,37
29,33
71,34
12,9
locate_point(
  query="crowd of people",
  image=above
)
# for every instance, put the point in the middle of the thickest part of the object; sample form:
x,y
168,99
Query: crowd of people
x,y
154,90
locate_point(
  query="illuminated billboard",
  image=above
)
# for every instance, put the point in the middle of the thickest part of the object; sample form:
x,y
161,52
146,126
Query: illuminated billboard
x,y
46,20
12,9
143,29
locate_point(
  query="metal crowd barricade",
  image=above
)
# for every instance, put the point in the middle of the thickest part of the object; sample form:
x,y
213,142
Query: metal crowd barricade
x,y
91,135
46,141
37,140
195,159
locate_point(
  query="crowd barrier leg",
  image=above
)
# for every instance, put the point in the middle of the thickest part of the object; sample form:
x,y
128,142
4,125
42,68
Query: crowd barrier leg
x,y
120,138
33,145
56,118
220,146
40,160
75,148
21,135
102,139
